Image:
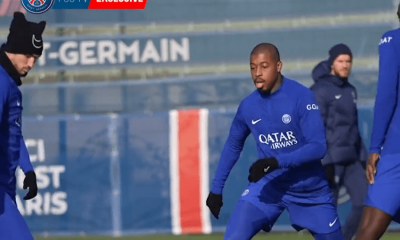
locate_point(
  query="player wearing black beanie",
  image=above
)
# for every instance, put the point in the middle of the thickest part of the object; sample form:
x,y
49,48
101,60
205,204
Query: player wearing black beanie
x,y
24,46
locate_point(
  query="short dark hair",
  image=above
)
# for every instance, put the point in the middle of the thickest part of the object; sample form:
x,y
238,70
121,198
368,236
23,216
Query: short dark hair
x,y
266,47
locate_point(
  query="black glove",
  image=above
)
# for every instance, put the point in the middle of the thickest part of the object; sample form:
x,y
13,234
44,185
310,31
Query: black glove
x,y
214,203
30,182
261,167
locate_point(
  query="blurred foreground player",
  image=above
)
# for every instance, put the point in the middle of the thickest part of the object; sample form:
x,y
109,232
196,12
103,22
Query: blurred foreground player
x,y
346,156
283,117
24,46
382,204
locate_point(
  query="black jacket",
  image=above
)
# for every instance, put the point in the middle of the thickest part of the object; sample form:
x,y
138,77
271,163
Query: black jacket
x,y
337,100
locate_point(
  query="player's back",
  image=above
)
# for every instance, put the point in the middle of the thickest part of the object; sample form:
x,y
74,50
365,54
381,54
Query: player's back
x,y
386,131
10,130
282,124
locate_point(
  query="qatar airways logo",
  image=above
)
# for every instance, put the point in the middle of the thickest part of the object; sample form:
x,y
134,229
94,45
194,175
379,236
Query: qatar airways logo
x,y
278,140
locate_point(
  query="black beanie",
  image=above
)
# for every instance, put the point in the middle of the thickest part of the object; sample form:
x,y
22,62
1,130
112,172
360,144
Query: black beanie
x,y
25,37
337,50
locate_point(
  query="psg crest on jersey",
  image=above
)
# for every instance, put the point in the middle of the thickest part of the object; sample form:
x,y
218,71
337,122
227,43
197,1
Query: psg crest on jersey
x,y
37,6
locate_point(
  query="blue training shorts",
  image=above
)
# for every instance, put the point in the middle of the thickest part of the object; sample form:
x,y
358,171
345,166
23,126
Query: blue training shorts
x,y
261,205
12,224
384,194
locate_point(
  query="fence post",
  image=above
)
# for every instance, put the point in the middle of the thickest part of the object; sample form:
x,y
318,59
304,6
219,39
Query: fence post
x,y
115,175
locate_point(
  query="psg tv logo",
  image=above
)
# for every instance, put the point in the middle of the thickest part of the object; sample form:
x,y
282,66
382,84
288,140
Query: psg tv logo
x,y
37,6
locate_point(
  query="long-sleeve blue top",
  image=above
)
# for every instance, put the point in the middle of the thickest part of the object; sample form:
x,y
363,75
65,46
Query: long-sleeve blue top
x,y
285,124
386,125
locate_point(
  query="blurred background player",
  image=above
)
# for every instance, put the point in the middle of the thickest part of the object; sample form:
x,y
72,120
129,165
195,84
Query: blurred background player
x,y
283,117
17,56
382,204
346,155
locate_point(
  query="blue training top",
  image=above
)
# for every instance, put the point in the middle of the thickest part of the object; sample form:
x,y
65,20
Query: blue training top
x,y
287,125
386,127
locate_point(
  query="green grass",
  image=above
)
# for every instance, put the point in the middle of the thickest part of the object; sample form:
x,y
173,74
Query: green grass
x,y
275,236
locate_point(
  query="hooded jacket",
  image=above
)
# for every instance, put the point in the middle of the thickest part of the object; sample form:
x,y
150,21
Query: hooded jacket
x,y
337,100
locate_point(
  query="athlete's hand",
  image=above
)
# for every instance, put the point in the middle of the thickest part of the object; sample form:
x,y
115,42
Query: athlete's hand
x,y
30,182
214,203
371,167
261,167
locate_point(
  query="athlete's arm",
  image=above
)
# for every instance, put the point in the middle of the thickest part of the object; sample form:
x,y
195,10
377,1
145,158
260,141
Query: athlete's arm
x,y
24,160
313,130
231,152
386,96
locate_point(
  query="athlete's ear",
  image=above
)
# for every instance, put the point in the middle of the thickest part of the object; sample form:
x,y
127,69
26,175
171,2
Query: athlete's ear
x,y
279,66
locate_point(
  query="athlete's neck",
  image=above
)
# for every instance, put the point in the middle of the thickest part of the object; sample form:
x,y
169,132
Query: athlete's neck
x,y
278,83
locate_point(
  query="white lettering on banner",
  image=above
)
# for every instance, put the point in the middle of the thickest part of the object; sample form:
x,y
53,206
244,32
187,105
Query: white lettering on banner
x,y
124,50
36,145
49,200
312,107
278,140
44,204
87,54
47,174
92,52
150,52
42,60
182,50
70,58
106,50
164,49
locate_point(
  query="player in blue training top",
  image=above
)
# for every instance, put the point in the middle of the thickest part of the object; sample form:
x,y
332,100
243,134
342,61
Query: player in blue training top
x,y
382,204
283,117
24,46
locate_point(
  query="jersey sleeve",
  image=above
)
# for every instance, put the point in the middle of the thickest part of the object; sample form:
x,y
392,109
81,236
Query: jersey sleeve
x,y
24,160
238,133
313,131
386,96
